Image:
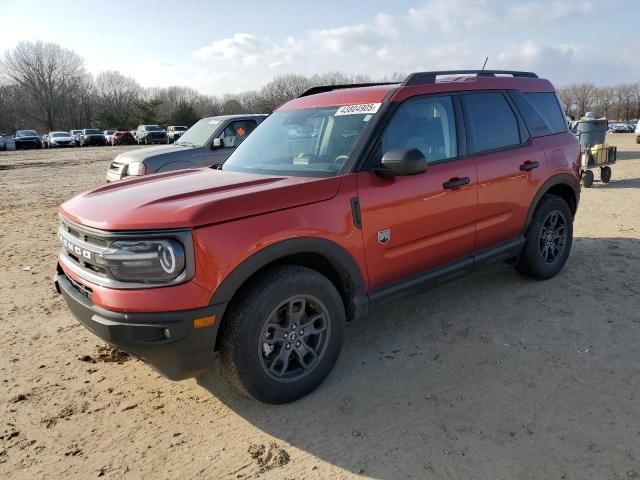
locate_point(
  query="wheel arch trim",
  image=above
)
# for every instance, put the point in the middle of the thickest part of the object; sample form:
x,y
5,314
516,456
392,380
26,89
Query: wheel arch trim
x,y
564,179
339,258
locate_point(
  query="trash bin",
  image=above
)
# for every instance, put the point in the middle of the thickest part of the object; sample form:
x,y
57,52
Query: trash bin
x,y
591,132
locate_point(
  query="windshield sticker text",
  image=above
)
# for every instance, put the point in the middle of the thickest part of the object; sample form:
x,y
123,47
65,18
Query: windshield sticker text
x,y
360,109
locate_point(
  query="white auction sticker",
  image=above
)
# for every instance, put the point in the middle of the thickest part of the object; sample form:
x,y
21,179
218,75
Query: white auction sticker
x,y
360,109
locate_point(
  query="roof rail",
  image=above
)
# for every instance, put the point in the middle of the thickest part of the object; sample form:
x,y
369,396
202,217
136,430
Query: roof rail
x,y
425,78
329,88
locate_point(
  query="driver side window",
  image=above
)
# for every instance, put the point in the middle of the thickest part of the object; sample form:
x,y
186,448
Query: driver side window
x,y
427,124
236,132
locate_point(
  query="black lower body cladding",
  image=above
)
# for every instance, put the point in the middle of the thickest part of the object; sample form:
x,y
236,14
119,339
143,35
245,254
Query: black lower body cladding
x,y
168,342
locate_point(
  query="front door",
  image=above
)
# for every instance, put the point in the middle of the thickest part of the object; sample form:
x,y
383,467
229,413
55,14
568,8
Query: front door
x,y
415,223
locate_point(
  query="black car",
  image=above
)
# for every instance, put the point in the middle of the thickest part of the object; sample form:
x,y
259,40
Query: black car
x,y
92,136
148,134
27,139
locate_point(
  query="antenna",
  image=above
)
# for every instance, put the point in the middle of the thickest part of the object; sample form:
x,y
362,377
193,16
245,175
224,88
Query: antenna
x,y
486,59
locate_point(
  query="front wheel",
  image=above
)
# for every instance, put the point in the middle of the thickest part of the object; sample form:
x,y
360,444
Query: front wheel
x,y
283,336
548,239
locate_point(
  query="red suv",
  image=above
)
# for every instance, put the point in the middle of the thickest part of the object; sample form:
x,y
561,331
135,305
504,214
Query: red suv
x,y
343,198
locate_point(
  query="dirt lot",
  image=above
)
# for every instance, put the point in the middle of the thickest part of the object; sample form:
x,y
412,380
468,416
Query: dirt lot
x,y
491,377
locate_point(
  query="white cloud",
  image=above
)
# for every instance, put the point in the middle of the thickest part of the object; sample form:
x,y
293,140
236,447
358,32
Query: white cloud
x,y
366,37
436,34
549,11
249,50
450,15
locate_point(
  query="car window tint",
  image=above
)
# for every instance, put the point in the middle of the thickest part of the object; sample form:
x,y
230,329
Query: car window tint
x,y
547,105
491,124
537,124
427,124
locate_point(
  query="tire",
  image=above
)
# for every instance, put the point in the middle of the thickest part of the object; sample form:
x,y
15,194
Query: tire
x,y
587,179
253,364
544,256
605,174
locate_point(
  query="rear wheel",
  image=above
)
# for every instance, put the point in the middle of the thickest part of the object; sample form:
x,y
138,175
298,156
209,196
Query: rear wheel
x,y
283,336
605,174
548,239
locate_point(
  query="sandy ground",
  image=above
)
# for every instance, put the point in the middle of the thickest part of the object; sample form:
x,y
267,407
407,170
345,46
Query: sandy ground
x,y
490,377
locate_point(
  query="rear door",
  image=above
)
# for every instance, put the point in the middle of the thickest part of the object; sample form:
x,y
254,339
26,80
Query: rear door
x,y
511,168
411,224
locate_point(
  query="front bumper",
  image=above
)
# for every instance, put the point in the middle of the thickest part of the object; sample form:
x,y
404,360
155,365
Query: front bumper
x,y
186,352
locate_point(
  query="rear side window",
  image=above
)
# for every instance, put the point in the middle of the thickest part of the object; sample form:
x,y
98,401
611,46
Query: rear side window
x,y
548,107
491,124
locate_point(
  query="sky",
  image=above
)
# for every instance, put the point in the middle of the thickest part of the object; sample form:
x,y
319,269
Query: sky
x,y
228,47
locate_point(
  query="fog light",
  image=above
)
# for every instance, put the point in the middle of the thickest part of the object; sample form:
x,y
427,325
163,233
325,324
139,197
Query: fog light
x,y
167,333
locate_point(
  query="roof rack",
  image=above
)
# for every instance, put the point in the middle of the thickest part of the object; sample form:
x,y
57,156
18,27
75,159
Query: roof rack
x,y
425,78
329,88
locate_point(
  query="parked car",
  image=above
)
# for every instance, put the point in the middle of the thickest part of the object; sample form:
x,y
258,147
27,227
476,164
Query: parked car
x,y
108,136
76,136
3,143
619,128
150,134
123,137
92,136
45,140
265,259
209,142
59,139
174,132
27,139
637,132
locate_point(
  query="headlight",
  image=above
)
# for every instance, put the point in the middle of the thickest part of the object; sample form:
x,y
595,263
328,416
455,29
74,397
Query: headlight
x,y
136,168
147,261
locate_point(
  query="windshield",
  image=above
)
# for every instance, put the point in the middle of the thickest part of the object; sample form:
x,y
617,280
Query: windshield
x,y
75,132
200,133
109,132
26,133
180,129
59,134
92,131
314,142
152,128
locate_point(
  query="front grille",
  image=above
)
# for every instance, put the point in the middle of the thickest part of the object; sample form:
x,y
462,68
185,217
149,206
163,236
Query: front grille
x,y
83,290
82,248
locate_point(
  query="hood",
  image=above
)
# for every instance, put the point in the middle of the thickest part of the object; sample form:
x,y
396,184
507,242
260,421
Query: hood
x,y
160,150
68,137
191,198
28,137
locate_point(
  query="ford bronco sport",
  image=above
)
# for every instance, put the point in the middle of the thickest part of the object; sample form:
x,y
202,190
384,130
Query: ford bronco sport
x,y
343,198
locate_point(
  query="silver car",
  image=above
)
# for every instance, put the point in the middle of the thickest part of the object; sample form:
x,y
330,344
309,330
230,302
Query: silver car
x,y
207,143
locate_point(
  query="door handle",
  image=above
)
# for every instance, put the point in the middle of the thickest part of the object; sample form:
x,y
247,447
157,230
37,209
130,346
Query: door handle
x,y
528,166
456,182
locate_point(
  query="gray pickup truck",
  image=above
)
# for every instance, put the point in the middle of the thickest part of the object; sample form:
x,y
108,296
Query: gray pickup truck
x,y
207,143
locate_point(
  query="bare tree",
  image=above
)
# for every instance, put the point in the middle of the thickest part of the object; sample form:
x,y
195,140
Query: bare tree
x,y
625,99
47,72
604,98
117,96
583,97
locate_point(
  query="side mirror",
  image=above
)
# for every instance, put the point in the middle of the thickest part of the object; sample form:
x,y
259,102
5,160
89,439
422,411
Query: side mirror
x,y
401,162
217,143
